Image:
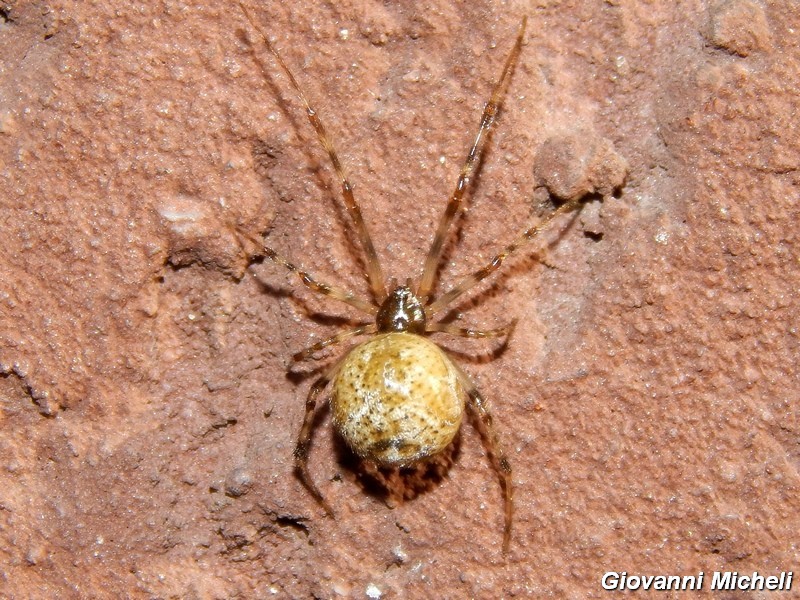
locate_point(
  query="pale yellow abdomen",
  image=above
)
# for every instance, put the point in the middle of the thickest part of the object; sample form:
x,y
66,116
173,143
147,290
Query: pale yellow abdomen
x,y
397,399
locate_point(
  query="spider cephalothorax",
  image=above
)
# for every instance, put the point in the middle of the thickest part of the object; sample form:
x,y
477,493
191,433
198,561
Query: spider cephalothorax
x,y
401,311
397,398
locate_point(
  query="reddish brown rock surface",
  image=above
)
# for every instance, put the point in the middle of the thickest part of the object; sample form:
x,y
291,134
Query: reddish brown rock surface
x,y
648,399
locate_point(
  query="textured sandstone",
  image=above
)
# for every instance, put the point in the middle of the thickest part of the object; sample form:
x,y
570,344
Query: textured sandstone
x,y
648,397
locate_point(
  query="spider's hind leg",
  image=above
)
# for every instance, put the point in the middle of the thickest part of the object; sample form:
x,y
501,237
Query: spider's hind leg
x,y
304,439
486,428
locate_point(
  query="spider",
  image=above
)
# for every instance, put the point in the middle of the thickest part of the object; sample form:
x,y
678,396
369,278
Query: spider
x,y
397,399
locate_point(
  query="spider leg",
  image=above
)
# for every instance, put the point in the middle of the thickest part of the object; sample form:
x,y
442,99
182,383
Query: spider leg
x,y
334,339
472,333
454,204
304,438
320,287
524,238
488,432
374,271
307,278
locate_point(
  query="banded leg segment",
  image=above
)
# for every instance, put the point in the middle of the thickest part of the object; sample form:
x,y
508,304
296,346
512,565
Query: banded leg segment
x,y
374,271
454,204
499,461
524,238
320,287
471,333
307,279
304,438
334,339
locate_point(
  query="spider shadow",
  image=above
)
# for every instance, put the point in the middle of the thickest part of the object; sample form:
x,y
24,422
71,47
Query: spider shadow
x,y
395,485
391,485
